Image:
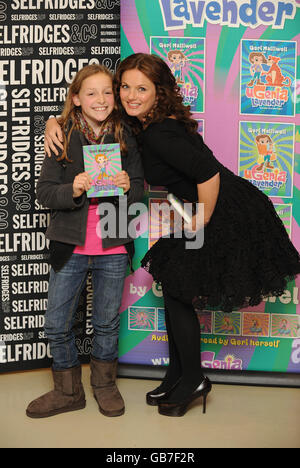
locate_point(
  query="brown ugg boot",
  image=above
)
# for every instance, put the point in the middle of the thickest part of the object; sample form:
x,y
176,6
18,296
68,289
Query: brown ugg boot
x,y
68,395
103,381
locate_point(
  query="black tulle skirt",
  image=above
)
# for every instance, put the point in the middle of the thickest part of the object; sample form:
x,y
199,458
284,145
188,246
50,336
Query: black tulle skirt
x,y
246,256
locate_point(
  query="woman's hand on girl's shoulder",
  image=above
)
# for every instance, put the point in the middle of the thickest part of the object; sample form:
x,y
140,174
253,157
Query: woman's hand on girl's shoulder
x,y
53,137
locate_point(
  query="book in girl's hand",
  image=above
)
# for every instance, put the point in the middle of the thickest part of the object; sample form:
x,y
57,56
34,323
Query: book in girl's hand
x,y
103,162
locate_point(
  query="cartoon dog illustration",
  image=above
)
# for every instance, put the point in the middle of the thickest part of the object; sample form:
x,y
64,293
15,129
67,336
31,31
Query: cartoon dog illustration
x,y
274,77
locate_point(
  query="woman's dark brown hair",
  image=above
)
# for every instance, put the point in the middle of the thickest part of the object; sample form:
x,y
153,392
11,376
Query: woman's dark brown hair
x,y
169,100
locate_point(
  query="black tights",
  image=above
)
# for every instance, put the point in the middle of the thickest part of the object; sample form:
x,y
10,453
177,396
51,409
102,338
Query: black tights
x,y
184,349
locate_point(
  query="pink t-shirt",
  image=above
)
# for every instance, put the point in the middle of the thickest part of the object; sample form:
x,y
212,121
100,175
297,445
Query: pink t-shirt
x,y
93,241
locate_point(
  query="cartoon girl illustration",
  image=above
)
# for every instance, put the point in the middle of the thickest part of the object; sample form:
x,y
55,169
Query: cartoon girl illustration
x,y
284,328
102,162
256,328
142,319
227,324
265,147
178,60
256,59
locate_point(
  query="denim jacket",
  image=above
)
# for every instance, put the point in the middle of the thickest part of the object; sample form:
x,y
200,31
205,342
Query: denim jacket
x,y
68,220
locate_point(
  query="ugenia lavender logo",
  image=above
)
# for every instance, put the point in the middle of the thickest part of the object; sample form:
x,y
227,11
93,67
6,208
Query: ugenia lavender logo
x,y
230,362
261,96
266,180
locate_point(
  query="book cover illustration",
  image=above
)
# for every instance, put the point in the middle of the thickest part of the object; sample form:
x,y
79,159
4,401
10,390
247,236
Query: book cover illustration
x,y
205,319
161,320
186,58
227,324
266,156
268,74
285,326
103,162
142,318
256,324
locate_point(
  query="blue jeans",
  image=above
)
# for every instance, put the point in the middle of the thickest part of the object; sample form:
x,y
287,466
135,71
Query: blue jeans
x,y
65,288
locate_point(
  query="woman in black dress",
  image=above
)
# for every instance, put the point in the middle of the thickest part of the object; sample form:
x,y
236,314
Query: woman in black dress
x,y
247,254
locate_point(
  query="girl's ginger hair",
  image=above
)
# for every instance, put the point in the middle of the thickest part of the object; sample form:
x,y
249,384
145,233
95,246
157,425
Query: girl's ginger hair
x,y
258,137
169,99
68,114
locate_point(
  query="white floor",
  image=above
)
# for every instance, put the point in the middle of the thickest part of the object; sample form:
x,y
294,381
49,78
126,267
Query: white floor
x,y
237,416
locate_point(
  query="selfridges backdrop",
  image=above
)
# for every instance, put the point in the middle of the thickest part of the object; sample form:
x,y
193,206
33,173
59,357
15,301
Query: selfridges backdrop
x,y
43,43
236,63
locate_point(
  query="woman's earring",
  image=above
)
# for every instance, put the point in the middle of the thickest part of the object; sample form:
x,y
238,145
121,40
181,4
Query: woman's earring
x,y
147,119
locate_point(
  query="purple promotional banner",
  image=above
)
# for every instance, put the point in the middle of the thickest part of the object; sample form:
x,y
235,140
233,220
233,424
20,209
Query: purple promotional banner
x,y
236,64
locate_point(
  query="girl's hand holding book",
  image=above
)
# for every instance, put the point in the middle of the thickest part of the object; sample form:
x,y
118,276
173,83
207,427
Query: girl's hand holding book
x,y
82,183
122,180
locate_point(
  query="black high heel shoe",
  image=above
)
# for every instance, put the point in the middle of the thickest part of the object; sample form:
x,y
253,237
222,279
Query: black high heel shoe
x,y
179,409
154,397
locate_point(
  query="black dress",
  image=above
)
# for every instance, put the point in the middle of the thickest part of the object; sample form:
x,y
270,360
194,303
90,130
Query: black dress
x,y
247,254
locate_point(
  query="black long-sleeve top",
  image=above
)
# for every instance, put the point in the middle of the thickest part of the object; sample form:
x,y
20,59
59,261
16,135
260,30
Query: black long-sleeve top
x,y
177,159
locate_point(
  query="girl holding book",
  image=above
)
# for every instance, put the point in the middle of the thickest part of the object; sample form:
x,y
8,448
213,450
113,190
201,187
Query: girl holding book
x,y
246,255
78,245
